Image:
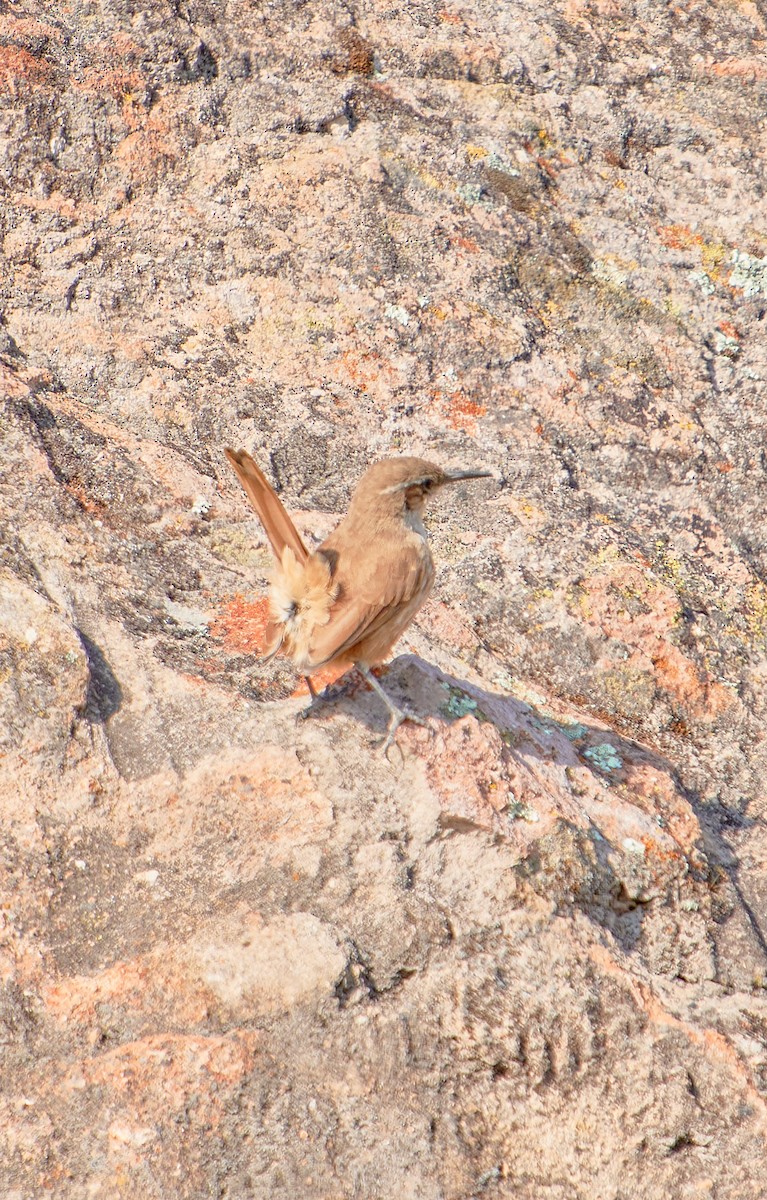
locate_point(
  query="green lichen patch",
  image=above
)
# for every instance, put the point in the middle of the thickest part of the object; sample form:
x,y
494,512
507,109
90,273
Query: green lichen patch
x,y
604,757
460,705
748,273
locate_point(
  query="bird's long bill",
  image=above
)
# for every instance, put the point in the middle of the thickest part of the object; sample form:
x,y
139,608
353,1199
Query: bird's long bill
x,y
457,476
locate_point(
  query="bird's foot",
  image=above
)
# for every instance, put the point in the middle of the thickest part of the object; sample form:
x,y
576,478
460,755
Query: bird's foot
x,y
313,708
316,704
397,714
398,717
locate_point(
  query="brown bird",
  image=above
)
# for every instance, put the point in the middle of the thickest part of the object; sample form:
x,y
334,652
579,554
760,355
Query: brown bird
x,y
350,599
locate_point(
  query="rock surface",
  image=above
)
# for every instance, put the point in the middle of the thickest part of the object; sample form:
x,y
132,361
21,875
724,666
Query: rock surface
x,y
243,954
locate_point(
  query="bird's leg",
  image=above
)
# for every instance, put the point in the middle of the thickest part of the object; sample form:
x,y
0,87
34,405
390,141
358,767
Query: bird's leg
x,y
316,702
318,699
397,715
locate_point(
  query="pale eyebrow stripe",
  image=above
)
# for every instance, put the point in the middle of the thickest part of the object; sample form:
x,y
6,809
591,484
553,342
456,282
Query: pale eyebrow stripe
x,y
399,487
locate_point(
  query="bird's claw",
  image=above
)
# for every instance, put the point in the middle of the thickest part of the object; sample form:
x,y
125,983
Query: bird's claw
x,y
315,706
398,717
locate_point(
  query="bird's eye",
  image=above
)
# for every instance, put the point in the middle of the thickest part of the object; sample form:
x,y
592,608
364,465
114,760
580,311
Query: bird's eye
x,y
427,485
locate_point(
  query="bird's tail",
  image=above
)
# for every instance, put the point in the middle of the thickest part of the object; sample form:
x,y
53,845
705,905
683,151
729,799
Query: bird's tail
x,y
300,600
271,512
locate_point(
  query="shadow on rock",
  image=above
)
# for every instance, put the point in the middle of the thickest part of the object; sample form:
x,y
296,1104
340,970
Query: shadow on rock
x,y
600,823
103,697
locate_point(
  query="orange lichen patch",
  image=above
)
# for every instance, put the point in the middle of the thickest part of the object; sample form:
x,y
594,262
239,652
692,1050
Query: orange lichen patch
x,y
146,984
641,613
76,998
116,82
241,624
681,237
662,855
123,44
750,69
690,685
460,411
464,243
678,237
547,165
19,68
655,792
730,330
147,148
170,1065
365,371
450,18
78,493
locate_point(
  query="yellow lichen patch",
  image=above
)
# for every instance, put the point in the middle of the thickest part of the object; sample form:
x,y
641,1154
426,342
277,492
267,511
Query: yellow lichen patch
x,y
429,179
525,512
668,565
612,270
631,689
603,557
680,237
713,255
674,308
232,545
756,608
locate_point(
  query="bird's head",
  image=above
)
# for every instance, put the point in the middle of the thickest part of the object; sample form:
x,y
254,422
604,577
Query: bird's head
x,y
403,484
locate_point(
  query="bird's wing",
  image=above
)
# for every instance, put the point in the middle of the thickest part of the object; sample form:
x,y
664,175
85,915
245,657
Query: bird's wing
x,y
371,606
279,528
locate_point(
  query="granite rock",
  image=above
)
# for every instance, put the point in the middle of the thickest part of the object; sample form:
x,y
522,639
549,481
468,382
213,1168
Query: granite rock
x,y
244,954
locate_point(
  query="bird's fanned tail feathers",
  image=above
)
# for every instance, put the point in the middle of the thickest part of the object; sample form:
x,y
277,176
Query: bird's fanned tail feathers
x,y
277,524
300,599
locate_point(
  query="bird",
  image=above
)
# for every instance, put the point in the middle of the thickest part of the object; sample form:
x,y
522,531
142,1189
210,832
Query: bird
x,y
348,601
